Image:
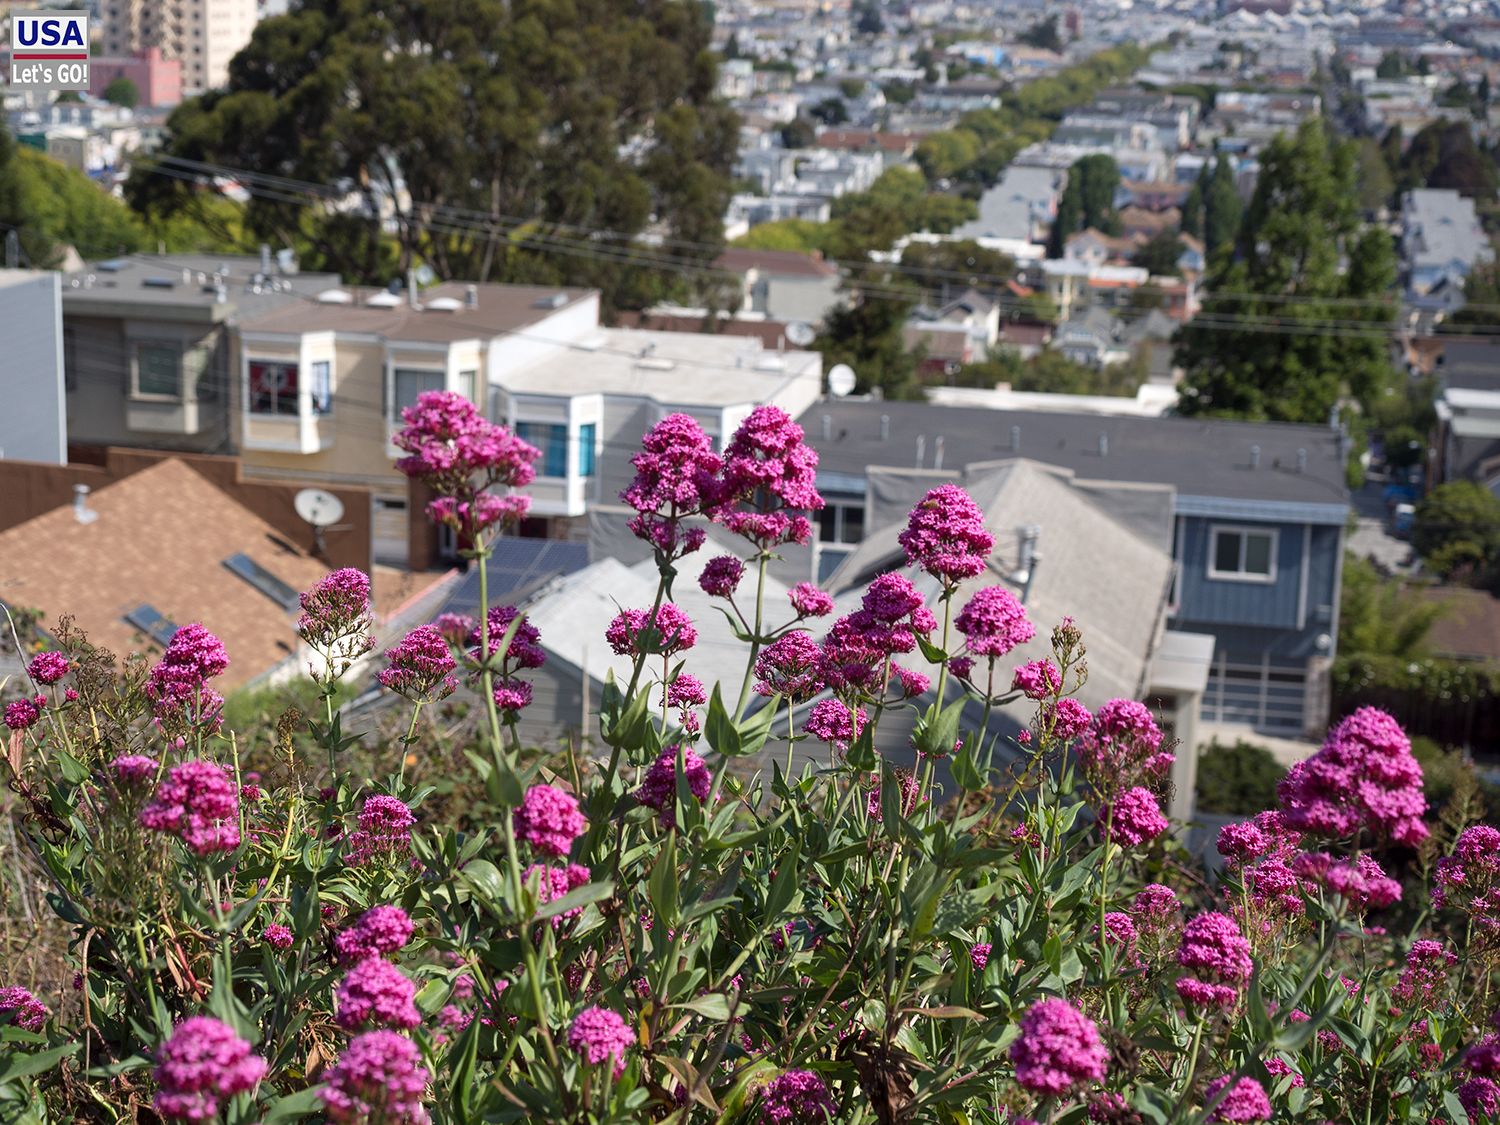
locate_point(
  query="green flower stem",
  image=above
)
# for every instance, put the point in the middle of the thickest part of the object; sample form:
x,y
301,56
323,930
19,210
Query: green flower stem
x,y
760,599
411,734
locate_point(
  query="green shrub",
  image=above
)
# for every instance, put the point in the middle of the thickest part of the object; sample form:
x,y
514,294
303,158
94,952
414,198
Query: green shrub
x,y
1239,779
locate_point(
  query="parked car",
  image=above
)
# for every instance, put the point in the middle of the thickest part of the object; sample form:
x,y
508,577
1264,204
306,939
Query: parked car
x,y
1403,518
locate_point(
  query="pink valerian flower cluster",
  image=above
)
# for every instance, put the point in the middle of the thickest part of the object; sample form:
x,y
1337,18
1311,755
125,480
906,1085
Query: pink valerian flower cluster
x,y
203,1064
383,834
46,668
420,668
1480,1095
1064,720
797,1097
1279,1068
671,631
23,713
132,770
277,936
1424,981
198,803
979,955
790,666
380,1077
685,693
599,1035
454,627
1156,906
548,819
1246,1100
993,621
1362,883
1266,836
892,615
178,685
658,788
676,477
835,722
554,883
379,931
908,786
1058,1051
1119,929
525,650
336,618
721,576
768,463
1134,817
377,994
460,455
945,535
1037,679
1469,879
809,601
1217,955
19,1008
1363,778
1122,748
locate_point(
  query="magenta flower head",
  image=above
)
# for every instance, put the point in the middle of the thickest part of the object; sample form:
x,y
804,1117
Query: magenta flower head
x,y
659,787
23,713
797,1097
379,1078
721,576
1424,980
767,464
46,668
671,628
1123,747
910,790
548,819
178,685
19,1008
1469,879
1218,956
994,622
1156,905
979,955
1239,843
945,535
455,627
132,770
1245,1102
1037,679
277,936
421,667
198,803
555,882
336,618
1067,718
600,1035
383,834
833,721
381,930
1058,1051
1134,817
1480,1098
525,650
790,666
1364,777
203,1064
676,476
375,993
1362,883
809,601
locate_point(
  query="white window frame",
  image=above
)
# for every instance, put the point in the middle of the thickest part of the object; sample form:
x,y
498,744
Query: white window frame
x,y
440,374
1244,531
135,369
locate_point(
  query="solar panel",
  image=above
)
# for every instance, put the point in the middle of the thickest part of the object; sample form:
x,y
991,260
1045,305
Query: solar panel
x,y
516,568
263,580
155,624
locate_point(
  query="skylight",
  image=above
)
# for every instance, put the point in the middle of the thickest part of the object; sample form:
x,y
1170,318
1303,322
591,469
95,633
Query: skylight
x,y
263,580
152,622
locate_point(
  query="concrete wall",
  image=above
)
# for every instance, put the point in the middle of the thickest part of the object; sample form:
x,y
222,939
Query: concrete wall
x,y
33,420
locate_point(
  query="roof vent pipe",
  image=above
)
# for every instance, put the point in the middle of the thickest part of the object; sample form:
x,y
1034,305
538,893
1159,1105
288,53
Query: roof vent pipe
x,y
411,288
1103,445
827,426
471,297
1255,456
265,257
1302,460
1015,439
885,427
937,452
921,449
81,510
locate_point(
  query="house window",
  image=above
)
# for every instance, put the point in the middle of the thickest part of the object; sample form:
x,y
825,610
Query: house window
x,y
468,385
158,370
552,440
409,384
273,388
322,386
586,451
1243,554
841,523
70,360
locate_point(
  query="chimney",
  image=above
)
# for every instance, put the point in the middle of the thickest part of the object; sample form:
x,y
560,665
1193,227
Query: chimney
x,y
885,427
1103,445
921,449
1015,439
411,288
1302,460
1255,456
827,426
471,297
937,452
81,510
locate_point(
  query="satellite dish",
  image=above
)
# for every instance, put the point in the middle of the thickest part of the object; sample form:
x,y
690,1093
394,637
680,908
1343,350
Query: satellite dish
x,y
800,334
841,380
319,508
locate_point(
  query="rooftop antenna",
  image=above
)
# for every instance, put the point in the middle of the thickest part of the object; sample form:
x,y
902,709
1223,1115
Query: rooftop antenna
x,y
321,510
841,379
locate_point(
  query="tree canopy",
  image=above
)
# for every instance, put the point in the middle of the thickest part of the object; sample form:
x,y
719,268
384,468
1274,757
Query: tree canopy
x,y
1087,201
122,91
531,118
1457,529
51,207
1276,338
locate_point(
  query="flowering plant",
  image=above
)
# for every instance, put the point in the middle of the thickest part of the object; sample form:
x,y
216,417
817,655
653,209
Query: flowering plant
x,y
701,913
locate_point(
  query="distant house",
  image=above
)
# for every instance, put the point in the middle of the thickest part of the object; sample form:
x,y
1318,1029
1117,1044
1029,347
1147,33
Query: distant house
x,y
783,284
33,425
1019,208
1466,442
1253,515
1092,337
1441,241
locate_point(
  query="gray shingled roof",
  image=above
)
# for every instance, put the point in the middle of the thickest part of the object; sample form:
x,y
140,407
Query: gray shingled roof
x,y
1198,457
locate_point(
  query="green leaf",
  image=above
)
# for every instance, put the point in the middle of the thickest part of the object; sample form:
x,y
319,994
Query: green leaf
x,y
930,651
293,1106
663,884
714,1006
946,1012
483,879
509,785
734,626
18,1064
719,728
784,887
576,898
1295,1036
861,754
756,729
629,731
1455,1108
937,730
964,771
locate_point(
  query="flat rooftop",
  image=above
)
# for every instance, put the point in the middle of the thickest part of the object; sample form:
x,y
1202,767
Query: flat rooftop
x,y
1198,457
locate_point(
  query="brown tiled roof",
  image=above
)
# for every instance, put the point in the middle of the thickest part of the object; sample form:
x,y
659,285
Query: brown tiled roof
x,y
161,539
739,259
1469,628
771,333
864,138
